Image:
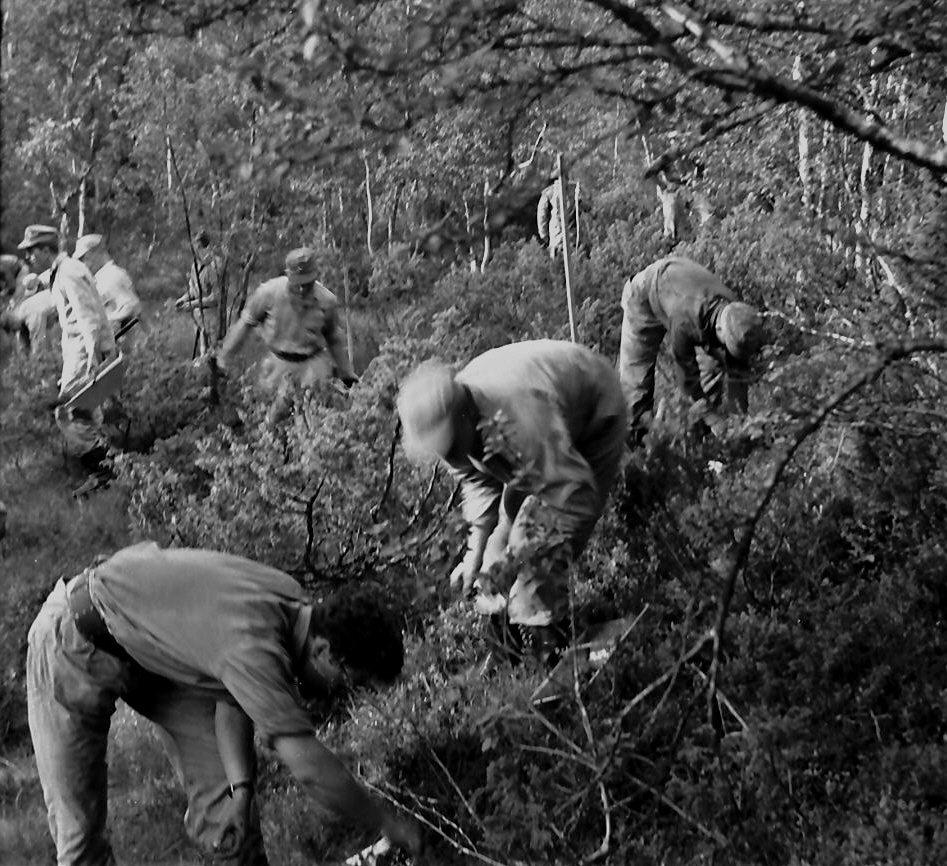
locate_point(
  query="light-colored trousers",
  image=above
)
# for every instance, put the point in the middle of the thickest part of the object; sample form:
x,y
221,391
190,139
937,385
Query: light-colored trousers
x,y
641,336
284,379
81,428
531,531
72,689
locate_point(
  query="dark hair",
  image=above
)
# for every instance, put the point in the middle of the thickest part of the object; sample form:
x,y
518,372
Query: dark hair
x,y
362,633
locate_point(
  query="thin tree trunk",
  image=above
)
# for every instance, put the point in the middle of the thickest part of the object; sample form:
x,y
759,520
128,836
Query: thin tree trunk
x,y
486,226
805,170
821,201
393,215
170,184
368,200
566,263
863,220
468,224
81,228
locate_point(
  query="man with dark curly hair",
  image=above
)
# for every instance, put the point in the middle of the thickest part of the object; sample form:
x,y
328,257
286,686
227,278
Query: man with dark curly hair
x,y
211,648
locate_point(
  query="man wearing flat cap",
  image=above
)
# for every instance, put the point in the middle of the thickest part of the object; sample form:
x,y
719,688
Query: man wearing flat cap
x,y
713,339
212,648
534,431
87,339
298,318
113,283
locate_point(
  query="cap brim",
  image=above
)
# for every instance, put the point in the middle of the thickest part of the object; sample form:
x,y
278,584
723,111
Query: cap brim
x,y
302,279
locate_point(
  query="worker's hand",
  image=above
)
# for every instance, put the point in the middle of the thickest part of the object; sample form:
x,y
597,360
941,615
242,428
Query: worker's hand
x,y
465,573
233,833
403,833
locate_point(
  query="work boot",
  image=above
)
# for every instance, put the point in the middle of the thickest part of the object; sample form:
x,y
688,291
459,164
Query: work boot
x,y
93,459
505,645
505,638
100,473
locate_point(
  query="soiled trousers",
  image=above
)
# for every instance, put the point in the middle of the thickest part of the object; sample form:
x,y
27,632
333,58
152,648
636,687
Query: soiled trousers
x,y
72,689
533,534
81,428
641,336
284,379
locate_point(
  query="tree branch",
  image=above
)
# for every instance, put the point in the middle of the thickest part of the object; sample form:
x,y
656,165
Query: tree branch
x,y
740,73
734,559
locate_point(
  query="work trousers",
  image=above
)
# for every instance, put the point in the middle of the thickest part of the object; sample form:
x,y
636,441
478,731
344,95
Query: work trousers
x,y
534,535
81,428
641,336
72,689
284,379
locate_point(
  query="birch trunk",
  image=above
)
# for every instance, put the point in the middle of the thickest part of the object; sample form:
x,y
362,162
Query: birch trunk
x,y
487,246
368,200
863,220
83,188
804,168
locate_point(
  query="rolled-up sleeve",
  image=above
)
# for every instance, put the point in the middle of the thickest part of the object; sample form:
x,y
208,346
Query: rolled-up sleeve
x,y
684,351
260,680
257,308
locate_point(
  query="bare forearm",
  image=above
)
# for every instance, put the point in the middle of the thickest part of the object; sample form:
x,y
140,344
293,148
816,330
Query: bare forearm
x,y
340,357
234,339
234,742
326,779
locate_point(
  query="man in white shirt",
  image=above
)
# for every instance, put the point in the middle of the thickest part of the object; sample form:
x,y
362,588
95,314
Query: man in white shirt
x,y
113,283
87,339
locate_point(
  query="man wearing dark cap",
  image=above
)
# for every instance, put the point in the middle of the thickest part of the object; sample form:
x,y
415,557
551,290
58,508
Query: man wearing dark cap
x,y
299,320
534,431
211,648
713,338
87,339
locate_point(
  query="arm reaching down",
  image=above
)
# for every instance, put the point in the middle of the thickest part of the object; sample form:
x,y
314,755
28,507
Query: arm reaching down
x,y
325,778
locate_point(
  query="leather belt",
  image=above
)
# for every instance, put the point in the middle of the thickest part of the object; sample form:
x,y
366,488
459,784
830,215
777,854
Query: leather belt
x,y
294,357
88,620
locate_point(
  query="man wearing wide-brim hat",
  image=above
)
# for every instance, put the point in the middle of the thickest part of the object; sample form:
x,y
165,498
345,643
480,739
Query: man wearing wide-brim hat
x,y
87,339
713,339
298,318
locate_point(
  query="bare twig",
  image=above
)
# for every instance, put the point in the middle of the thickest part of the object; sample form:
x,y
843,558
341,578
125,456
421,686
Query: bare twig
x,y
456,788
723,698
464,849
603,849
667,675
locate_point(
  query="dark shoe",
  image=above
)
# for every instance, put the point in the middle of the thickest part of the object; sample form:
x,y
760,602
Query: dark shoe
x,y
547,643
96,481
505,639
93,460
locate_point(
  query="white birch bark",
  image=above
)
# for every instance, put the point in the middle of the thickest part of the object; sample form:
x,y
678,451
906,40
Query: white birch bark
x,y
863,220
368,200
804,166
